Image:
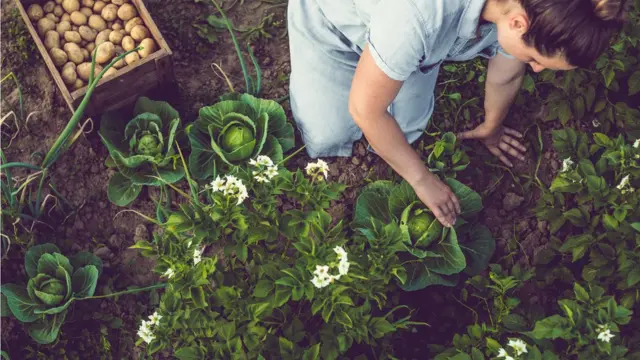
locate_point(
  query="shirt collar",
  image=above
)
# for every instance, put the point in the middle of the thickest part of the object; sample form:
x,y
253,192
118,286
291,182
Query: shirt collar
x,y
470,18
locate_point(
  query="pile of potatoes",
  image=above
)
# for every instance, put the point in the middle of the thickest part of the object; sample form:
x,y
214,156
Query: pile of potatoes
x,y
71,30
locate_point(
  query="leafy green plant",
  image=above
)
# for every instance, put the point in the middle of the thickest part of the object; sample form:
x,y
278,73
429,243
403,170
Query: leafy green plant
x,y
447,159
594,200
587,325
248,278
432,255
141,147
55,281
234,130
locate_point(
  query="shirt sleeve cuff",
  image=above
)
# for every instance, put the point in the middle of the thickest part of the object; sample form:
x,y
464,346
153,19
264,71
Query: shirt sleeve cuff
x,y
395,75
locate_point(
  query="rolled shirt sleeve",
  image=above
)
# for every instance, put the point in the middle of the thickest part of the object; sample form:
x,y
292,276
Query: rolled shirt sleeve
x,y
397,38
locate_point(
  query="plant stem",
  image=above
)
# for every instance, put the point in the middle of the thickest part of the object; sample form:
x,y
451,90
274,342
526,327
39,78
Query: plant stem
x,y
124,292
292,155
18,164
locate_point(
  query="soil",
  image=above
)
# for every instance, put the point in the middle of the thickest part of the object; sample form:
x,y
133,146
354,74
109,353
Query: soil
x,y
92,223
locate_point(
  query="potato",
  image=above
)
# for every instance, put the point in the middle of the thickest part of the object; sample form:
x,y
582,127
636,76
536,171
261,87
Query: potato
x,y
79,84
103,36
88,3
131,58
69,75
35,12
65,17
128,43
73,52
111,71
90,47
49,6
116,37
110,12
97,23
105,52
86,11
58,11
69,64
83,43
54,18
149,47
132,23
45,24
127,12
78,18
58,56
139,33
116,26
52,40
63,27
98,6
87,33
59,2
118,2
73,36
75,28
84,70
70,5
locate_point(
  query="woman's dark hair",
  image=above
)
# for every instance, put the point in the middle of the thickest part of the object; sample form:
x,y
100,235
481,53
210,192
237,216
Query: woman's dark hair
x,y
580,30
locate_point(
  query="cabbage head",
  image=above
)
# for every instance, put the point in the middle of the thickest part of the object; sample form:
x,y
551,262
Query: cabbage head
x,y
142,147
235,130
55,281
433,254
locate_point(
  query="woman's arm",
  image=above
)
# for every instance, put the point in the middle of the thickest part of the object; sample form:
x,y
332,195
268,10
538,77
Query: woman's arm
x,y
504,78
372,92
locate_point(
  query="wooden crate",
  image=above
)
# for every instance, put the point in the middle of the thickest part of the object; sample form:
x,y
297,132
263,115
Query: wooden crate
x,y
128,84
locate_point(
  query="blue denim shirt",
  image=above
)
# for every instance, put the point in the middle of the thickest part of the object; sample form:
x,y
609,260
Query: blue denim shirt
x,y
406,36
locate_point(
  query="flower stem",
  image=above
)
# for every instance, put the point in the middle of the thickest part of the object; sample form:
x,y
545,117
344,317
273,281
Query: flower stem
x,y
129,291
292,155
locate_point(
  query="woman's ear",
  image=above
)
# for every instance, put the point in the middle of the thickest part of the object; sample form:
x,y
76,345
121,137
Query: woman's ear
x,y
519,23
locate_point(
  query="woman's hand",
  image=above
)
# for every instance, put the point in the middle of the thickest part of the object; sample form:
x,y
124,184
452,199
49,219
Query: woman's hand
x,y
499,140
438,197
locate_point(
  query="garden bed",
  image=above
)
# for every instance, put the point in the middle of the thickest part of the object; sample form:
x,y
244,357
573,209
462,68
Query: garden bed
x,y
85,218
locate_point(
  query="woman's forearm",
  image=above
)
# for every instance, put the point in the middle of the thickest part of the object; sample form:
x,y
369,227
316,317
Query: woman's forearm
x,y
388,141
498,99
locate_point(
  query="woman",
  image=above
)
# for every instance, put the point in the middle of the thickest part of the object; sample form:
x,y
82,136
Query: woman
x,y
370,67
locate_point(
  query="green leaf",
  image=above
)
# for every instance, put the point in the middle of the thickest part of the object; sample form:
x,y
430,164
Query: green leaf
x,y
373,202
85,258
263,288
162,109
21,305
286,347
189,353
515,322
552,327
419,277
34,253
202,160
45,331
478,246
287,281
610,222
198,297
609,74
312,353
344,319
121,190
470,201
84,281
634,83
400,198
636,226
576,217
452,260
477,354
581,293
49,264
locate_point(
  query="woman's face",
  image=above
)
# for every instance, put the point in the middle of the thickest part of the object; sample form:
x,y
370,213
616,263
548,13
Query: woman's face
x,y
510,31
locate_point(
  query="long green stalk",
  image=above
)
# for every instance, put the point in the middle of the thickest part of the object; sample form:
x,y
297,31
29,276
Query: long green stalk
x,y
54,152
124,292
18,165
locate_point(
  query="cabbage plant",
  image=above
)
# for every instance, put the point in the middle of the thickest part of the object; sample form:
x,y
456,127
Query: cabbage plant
x,y
234,130
433,255
55,281
141,147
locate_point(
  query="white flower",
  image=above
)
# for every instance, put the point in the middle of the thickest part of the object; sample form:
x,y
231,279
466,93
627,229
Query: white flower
x,y
605,336
343,267
321,282
518,345
321,271
264,160
218,184
624,182
154,319
267,170
342,253
636,144
502,353
145,332
189,243
169,273
317,168
197,256
595,123
271,172
261,179
566,165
